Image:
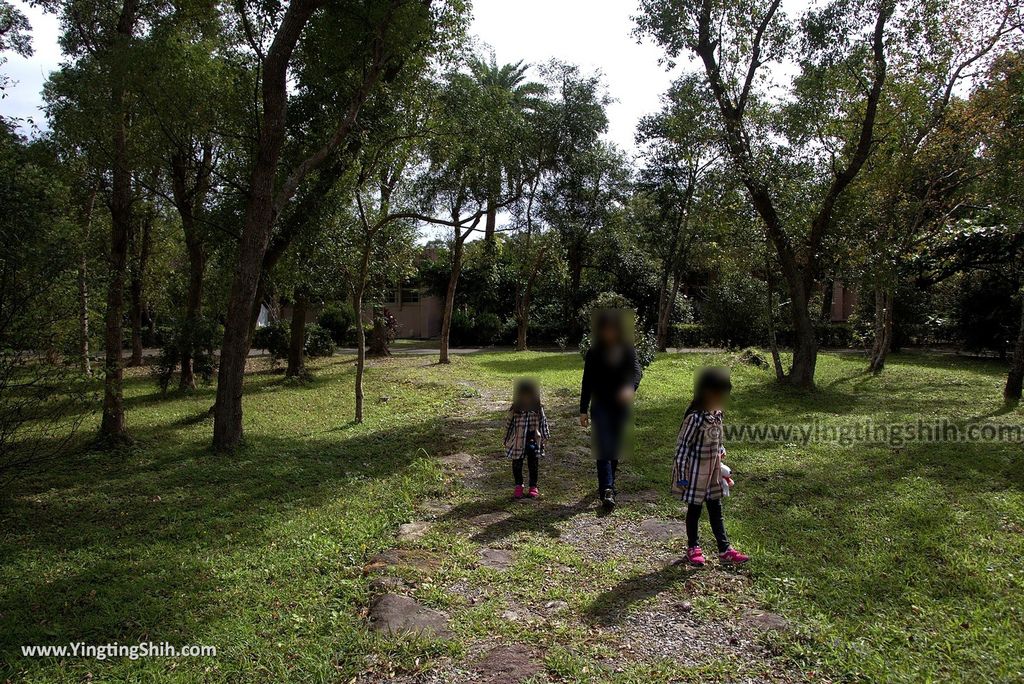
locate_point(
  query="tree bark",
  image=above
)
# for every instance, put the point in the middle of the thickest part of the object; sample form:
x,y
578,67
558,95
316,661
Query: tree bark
x,y
113,429
805,340
1015,377
256,227
297,344
773,343
193,305
83,286
449,297
357,307
882,328
666,302
138,303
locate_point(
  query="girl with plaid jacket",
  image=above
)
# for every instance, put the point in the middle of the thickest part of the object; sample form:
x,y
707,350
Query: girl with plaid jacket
x,y
526,434
697,473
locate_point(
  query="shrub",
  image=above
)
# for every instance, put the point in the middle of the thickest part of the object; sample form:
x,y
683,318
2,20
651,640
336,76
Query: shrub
x,y
273,339
200,337
835,335
645,343
474,330
688,335
383,332
735,315
339,321
319,341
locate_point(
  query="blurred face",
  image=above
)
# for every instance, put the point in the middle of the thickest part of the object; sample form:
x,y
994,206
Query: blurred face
x,y
716,400
610,334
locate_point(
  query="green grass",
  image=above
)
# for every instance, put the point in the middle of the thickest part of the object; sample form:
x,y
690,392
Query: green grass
x,y
895,564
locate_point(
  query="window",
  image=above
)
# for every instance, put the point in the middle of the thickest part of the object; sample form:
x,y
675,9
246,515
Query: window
x,y
410,295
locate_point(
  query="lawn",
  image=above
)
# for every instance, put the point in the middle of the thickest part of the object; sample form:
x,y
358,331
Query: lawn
x,y
897,563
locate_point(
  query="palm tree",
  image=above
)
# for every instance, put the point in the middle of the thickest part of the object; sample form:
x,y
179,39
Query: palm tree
x,y
515,98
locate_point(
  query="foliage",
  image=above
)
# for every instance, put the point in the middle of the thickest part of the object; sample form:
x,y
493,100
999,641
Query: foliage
x,y
734,315
338,320
273,338
319,341
383,332
200,337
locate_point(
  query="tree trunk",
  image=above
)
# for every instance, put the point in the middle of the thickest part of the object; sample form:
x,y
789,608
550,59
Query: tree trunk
x,y
805,340
256,227
112,425
575,278
826,301
297,344
1015,378
193,306
666,302
138,304
491,222
449,297
83,286
773,343
883,329
357,307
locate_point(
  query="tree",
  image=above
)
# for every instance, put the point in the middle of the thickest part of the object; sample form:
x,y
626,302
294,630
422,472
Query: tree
x,y
371,41
677,188
513,98
92,102
1000,103
832,108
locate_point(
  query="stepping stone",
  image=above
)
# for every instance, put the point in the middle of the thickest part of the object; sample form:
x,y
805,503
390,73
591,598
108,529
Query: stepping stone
x,y
459,460
768,622
398,614
497,559
432,508
386,584
413,531
511,664
488,519
663,530
414,559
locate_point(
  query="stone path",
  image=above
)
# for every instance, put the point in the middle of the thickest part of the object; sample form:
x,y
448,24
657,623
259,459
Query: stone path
x,y
524,587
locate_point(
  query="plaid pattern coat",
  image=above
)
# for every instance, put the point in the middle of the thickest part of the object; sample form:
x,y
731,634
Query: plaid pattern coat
x,y
697,473
519,425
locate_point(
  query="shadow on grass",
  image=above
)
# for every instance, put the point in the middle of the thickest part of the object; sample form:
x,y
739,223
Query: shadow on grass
x,y
138,543
611,606
541,517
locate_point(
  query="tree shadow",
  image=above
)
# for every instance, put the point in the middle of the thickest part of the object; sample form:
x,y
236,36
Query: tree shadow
x,y
611,606
541,517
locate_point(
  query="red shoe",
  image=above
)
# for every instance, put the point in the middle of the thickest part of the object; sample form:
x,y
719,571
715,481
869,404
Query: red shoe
x,y
533,493
733,557
517,493
695,556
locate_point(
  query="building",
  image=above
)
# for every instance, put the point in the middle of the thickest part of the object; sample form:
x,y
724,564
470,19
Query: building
x,y
418,313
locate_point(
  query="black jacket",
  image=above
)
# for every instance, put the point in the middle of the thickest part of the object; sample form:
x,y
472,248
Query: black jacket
x,y
603,381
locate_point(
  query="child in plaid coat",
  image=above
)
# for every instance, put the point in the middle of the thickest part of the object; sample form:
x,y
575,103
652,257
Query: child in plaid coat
x,y
697,473
526,434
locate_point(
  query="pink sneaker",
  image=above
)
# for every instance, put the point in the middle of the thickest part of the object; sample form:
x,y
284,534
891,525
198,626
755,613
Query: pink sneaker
x,y
517,493
533,493
695,556
733,557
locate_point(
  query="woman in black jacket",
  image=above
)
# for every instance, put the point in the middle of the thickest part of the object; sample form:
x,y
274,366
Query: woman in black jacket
x,y
611,376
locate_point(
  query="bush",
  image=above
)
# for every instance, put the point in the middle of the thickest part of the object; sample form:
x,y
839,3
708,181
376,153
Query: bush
x,y
734,315
383,332
339,321
273,339
474,330
687,335
645,343
200,337
319,341
835,335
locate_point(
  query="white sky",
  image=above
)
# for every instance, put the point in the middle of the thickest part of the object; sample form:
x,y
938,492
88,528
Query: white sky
x,y
592,33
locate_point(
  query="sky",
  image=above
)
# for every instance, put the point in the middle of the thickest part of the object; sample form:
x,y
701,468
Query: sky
x,y
594,34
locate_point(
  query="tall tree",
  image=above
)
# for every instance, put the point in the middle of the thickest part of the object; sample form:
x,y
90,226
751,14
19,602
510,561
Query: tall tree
x,y
371,41
681,152
828,120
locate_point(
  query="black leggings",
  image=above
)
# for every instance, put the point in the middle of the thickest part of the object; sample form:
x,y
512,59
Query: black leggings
x,y
517,470
717,524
